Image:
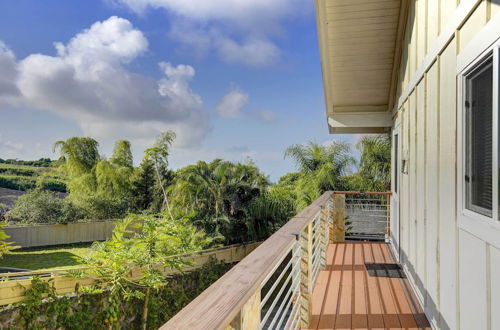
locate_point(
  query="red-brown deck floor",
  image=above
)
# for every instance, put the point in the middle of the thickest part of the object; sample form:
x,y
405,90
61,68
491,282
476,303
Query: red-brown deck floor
x,y
346,296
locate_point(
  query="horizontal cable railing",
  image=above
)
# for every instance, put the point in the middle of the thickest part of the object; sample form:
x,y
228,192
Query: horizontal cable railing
x,y
366,214
271,288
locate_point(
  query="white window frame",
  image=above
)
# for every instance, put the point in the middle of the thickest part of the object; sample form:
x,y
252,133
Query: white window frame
x,y
482,226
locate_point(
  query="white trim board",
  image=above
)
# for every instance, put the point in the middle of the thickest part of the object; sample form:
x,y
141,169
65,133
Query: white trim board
x,y
482,41
360,122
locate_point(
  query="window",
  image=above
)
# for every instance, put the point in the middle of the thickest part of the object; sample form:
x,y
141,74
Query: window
x,y
479,138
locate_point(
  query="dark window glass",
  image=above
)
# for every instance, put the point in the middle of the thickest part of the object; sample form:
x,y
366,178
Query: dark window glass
x,y
479,139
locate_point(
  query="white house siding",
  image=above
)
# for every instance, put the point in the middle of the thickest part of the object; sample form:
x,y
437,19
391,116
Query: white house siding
x,y
456,274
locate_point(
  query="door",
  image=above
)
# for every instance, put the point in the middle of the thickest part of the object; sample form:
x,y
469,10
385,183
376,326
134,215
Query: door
x,y
395,189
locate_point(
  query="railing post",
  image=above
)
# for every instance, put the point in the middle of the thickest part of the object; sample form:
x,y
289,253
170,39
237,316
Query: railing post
x,y
330,219
306,284
249,316
324,235
338,218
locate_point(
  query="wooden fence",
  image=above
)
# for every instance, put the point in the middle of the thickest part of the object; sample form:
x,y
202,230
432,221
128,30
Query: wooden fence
x,y
56,234
12,288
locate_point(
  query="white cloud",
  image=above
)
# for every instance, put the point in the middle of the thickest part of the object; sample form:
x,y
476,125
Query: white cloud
x,y
232,104
7,72
88,83
9,146
253,52
239,31
234,10
266,115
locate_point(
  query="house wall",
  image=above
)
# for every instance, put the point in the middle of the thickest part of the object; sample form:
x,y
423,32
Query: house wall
x,y
455,273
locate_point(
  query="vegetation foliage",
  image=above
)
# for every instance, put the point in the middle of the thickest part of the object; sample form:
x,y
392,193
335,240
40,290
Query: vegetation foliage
x,y
89,308
162,213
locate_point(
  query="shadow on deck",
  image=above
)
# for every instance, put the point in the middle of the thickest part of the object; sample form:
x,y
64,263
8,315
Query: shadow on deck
x,y
363,287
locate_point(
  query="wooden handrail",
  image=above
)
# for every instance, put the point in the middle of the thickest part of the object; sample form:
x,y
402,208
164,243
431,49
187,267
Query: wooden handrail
x,y
235,294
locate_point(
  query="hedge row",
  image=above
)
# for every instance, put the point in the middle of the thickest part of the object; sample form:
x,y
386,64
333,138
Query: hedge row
x,y
18,171
19,182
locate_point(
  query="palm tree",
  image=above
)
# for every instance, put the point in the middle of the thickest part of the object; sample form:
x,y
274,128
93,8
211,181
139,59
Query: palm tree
x,y
375,163
217,192
323,164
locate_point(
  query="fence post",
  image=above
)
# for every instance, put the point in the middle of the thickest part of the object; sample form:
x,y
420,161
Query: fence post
x,y
249,316
338,218
306,284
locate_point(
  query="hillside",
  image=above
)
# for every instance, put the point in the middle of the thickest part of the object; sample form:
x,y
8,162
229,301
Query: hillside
x,y
24,177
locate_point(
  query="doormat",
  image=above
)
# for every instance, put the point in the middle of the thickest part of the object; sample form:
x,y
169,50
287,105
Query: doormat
x,y
385,270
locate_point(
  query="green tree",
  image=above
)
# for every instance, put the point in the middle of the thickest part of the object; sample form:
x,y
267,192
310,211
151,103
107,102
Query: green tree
x,y
145,243
143,183
375,162
158,153
80,155
122,154
321,168
4,246
217,194
101,187
269,211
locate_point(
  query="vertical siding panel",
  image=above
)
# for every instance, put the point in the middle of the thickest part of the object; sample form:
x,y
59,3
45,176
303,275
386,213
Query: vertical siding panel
x,y
420,197
495,287
472,277
447,9
412,22
447,200
431,194
422,30
432,22
412,239
474,23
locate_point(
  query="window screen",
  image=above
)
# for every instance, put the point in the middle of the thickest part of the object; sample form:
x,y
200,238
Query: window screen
x,y
479,138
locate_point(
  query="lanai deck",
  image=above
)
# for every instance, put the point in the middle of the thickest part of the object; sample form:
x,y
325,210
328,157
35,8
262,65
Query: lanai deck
x,y
348,296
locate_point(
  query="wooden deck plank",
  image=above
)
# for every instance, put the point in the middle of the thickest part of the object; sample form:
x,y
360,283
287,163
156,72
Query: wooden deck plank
x,y
360,317
318,297
405,313
343,318
329,310
349,298
330,255
390,311
327,320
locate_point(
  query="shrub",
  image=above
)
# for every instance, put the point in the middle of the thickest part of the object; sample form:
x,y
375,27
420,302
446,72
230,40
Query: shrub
x,y
39,206
4,246
3,211
52,184
102,208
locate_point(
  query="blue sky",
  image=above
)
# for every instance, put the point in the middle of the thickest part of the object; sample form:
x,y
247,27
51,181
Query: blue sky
x,y
234,79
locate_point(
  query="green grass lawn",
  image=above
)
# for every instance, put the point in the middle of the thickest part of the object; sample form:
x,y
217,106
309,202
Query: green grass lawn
x,y
66,256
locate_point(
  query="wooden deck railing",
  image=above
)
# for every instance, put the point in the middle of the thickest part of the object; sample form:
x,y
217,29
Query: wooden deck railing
x,y
367,214
272,286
